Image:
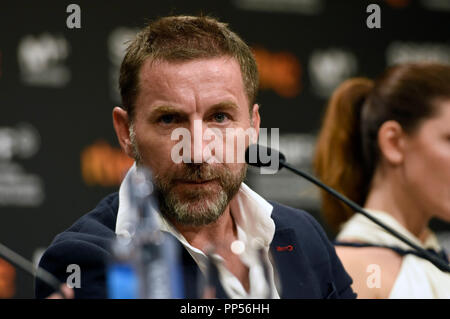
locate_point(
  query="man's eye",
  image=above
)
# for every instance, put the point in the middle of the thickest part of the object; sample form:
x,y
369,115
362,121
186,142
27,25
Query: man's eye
x,y
167,119
220,117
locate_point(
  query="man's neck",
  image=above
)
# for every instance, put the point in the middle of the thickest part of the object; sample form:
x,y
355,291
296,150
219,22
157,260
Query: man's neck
x,y
218,235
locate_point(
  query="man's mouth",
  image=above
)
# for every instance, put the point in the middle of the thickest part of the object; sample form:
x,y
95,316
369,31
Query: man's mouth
x,y
197,182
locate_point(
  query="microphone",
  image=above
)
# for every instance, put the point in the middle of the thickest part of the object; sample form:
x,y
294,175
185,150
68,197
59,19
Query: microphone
x,y
261,156
256,155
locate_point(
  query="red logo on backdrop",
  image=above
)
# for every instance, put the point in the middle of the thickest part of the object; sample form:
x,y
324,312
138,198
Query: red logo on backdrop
x,y
398,3
285,248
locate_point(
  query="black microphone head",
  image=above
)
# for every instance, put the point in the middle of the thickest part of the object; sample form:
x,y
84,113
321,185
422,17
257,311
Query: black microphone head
x,y
263,156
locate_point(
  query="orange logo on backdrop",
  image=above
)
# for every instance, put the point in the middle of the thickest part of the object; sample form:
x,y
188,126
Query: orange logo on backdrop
x,y
280,71
7,278
104,165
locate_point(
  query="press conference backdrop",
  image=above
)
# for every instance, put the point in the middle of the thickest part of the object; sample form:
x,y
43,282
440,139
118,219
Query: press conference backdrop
x,y
58,151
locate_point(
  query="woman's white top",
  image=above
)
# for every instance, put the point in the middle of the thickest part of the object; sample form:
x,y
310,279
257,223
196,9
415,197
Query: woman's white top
x,y
418,278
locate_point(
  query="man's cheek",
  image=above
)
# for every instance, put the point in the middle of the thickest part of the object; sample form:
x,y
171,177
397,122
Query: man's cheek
x,y
235,144
155,150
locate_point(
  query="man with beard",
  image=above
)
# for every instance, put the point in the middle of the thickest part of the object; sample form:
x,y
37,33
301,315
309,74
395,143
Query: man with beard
x,y
193,73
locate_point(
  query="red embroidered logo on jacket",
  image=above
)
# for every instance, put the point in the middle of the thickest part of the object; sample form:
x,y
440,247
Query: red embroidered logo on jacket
x,y
285,248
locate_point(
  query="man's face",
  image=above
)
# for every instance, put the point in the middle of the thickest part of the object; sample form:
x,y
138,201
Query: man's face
x,y
196,95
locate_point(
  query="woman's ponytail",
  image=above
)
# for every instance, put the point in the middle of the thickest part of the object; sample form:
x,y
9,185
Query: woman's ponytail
x,y
338,159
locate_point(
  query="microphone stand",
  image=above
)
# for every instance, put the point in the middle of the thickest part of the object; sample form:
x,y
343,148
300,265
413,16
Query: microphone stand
x,y
26,265
438,262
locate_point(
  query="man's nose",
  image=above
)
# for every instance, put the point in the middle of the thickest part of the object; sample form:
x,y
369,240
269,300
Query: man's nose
x,y
198,144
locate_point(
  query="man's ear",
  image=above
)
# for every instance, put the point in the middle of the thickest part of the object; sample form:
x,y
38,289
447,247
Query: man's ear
x,y
391,141
256,121
122,128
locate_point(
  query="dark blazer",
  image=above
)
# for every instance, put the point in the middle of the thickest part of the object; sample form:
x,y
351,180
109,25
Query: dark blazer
x,y
305,259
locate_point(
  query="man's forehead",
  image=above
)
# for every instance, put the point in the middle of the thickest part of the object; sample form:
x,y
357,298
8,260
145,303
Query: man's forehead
x,y
170,80
160,67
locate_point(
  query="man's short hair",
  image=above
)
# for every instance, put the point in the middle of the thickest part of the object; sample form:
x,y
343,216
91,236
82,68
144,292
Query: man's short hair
x,y
184,38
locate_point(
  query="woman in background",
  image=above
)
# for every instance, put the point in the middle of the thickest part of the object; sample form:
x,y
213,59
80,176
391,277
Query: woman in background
x,y
385,144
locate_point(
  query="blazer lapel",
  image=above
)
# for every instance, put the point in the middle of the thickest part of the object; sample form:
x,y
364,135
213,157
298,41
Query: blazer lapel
x,y
292,267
